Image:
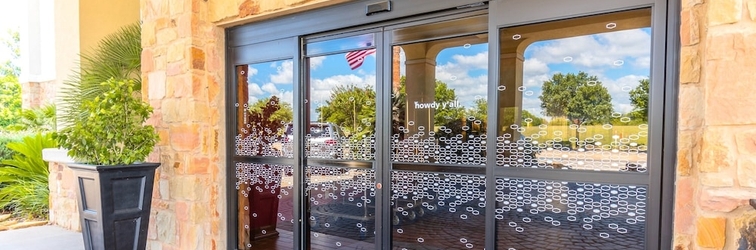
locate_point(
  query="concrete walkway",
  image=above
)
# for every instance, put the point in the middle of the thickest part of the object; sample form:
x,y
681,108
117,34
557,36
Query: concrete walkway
x,y
42,237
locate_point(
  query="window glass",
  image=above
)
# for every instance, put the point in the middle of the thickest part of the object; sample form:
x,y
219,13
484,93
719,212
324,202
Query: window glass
x,y
264,108
573,94
439,101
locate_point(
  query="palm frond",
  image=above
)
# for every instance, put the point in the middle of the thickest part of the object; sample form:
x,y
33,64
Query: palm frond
x,y
117,56
24,177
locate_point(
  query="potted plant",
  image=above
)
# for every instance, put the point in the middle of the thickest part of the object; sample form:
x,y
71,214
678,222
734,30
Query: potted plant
x,y
115,186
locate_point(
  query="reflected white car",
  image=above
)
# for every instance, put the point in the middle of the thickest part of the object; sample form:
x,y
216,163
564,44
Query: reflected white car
x,y
324,140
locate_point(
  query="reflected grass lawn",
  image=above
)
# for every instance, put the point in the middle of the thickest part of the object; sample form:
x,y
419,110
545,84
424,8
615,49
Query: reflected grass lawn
x,y
597,133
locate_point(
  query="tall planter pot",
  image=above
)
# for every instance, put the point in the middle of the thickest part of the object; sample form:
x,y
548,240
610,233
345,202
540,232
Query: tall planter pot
x,y
114,204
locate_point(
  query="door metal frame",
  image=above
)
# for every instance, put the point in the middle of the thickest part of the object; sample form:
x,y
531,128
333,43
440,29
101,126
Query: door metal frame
x,y
249,44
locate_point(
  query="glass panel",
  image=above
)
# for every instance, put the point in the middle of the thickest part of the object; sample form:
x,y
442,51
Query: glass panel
x,y
363,41
573,94
342,106
439,101
537,214
265,205
426,205
342,207
264,108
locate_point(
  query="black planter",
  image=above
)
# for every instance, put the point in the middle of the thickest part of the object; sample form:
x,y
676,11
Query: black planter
x,y
114,204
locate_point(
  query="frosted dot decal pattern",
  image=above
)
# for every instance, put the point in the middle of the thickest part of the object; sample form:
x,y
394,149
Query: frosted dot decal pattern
x,y
447,146
255,145
336,147
342,207
265,200
622,154
424,205
537,214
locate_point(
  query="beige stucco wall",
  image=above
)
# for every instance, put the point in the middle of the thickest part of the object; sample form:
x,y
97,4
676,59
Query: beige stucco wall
x,y
99,18
716,172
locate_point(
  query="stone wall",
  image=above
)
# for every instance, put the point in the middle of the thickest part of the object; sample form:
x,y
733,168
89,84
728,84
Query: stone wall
x,y
716,172
64,210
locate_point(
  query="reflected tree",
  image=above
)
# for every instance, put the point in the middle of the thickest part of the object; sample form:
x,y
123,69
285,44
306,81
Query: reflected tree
x,y
448,113
479,109
581,98
263,122
352,108
639,99
283,114
529,119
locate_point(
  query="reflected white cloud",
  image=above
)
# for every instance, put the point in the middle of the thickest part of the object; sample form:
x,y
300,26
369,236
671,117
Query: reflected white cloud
x,y
478,61
624,53
620,91
534,66
458,75
284,73
595,51
255,89
316,62
320,89
251,72
270,88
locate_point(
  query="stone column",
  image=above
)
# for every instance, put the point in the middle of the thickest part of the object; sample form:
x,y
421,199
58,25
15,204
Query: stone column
x,y
182,78
510,99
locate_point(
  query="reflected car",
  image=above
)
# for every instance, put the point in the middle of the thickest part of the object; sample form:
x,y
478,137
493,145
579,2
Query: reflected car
x,y
325,140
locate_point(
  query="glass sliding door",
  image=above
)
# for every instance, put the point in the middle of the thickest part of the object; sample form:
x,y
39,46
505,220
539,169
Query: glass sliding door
x,y
264,188
340,142
438,130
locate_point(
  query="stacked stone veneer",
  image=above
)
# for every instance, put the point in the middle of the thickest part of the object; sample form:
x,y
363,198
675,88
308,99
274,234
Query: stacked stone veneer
x,y
716,171
64,210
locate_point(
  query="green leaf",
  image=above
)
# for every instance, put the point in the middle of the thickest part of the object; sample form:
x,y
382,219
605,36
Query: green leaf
x,y
113,133
24,177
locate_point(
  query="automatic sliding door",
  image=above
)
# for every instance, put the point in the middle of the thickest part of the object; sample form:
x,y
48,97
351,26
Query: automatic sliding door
x,y
438,149
340,143
264,180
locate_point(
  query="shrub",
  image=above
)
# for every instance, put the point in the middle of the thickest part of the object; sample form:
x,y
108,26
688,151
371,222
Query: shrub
x,y
24,177
114,132
5,138
35,120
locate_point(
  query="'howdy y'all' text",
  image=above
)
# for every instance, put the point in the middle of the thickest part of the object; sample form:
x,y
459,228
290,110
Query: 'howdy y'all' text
x,y
435,105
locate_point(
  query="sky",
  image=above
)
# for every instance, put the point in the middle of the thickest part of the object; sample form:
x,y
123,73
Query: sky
x,y
619,59
11,14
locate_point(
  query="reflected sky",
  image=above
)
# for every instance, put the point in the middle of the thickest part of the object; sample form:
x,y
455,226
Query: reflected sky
x,y
619,59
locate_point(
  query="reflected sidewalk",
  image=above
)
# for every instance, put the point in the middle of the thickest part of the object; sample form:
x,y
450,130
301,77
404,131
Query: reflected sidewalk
x,y
42,237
